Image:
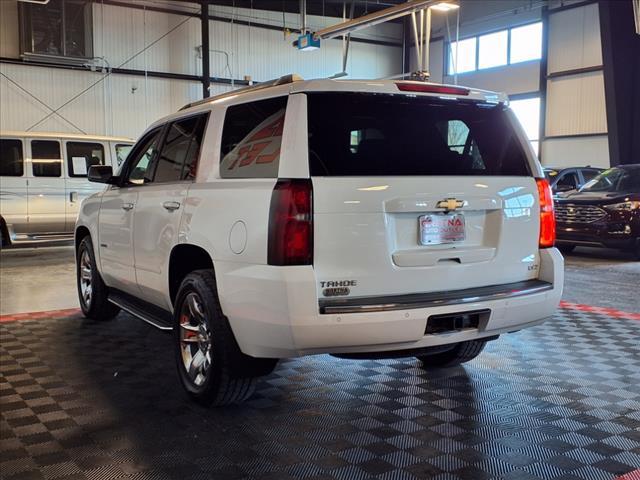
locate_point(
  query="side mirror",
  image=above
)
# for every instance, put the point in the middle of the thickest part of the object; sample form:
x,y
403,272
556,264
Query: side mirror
x,y
101,174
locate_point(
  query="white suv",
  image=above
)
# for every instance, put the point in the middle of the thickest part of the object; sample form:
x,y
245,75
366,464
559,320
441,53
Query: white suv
x,y
358,218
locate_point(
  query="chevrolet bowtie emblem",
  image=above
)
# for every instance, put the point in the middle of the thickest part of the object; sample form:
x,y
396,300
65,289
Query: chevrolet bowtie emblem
x,y
450,204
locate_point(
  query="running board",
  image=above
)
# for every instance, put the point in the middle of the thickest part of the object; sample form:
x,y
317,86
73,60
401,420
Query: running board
x,y
153,315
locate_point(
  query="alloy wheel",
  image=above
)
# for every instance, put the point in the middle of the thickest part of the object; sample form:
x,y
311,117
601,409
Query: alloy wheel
x,y
86,287
195,340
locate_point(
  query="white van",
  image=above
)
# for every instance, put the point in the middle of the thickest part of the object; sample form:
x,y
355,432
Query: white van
x,y
43,179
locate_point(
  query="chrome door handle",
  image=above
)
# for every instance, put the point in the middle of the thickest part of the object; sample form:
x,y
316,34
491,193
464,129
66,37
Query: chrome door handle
x,y
73,197
171,206
127,206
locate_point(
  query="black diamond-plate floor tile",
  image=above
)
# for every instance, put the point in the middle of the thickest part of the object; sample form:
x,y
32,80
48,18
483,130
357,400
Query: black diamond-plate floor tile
x,y
89,400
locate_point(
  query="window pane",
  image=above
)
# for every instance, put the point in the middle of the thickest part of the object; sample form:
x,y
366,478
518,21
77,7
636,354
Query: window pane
x,y
82,155
60,28
44,28
74,28
251,139
590,174
122,150
526,43
425,136
45,158
464,56
568,181
493,49
528,114
180,150
141,167
11,161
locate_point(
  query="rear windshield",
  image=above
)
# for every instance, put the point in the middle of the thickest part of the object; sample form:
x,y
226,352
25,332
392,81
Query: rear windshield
x,y
371,135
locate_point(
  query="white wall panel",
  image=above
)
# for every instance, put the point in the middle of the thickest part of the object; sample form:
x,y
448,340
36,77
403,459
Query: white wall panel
x,y
577,151
120,105
140,40
574,39
518,78
122,33
576,105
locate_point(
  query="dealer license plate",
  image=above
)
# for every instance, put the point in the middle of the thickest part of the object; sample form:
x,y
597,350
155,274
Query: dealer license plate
x,y
441,228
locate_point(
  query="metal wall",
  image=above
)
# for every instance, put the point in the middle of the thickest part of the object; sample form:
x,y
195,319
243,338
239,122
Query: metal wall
x,y
576,119
140,40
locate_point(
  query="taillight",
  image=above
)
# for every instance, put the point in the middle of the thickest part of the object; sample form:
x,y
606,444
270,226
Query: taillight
x,y
547,217
430,88
291,223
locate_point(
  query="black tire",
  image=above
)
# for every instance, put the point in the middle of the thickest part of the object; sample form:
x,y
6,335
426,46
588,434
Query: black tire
x,y
566,248
460,353
228,376
95,306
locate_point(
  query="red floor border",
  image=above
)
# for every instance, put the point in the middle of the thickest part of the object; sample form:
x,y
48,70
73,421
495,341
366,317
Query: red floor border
x,y
56,314
49,315
635,475
612,312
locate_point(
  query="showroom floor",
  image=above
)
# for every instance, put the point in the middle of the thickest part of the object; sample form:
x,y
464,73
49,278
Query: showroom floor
x,y
81,399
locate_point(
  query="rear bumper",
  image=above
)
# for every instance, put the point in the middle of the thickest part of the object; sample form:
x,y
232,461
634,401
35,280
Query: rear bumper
x,y
274,312
433,299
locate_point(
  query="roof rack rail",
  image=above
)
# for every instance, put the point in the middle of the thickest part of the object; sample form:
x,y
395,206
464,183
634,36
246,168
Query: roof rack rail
x,y
292,77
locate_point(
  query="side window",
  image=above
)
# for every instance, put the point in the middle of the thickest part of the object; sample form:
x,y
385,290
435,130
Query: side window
x,y
140,166
45,158
568,181
589,175
251,139
82,155
179,154
11,159
122,150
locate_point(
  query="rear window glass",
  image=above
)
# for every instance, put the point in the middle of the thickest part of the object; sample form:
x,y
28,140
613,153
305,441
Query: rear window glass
x,y
11,161
251,139
386,135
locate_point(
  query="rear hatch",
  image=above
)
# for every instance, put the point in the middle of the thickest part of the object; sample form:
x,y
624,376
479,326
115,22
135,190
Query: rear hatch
x,y
417,194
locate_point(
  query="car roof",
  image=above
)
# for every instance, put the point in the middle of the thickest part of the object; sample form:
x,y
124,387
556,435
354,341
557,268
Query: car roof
x,y
295,84
65,135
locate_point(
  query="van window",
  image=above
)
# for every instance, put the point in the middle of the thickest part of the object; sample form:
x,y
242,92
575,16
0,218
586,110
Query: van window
x,y
251,139
45,158
11,159
179,154
385,135
82,155
122,150
142,158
